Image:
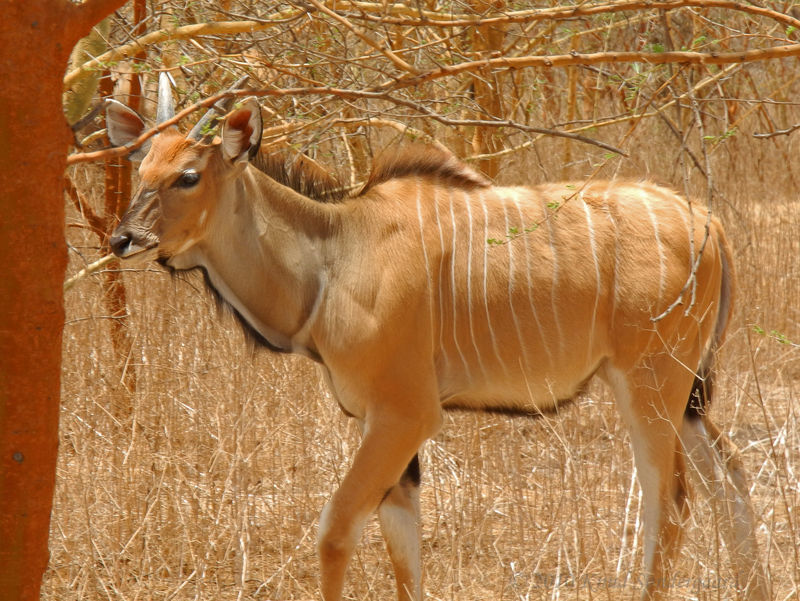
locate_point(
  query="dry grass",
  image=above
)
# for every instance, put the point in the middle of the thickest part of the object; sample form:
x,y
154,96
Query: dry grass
x,y
206,482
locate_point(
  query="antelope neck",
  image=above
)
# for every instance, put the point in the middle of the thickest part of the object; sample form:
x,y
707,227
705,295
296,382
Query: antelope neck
x,y
264,256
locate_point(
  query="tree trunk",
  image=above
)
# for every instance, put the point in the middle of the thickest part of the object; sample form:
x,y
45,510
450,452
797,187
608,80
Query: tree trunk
x,y
37,37
487,42
118,196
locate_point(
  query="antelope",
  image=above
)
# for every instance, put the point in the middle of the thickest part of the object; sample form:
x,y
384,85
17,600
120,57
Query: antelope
x,y
431,289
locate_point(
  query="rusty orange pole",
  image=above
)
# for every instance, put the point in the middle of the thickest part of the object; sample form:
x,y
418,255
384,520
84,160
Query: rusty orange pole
x,y
36,37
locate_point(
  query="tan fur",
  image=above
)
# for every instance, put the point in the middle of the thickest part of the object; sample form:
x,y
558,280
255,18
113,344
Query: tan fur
x,y
401,297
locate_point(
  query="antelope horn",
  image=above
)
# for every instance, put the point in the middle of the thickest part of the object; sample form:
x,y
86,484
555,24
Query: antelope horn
x,y
213,114
166,104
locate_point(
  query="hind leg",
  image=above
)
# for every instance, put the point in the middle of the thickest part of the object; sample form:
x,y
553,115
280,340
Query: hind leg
x,y
715,460
651,403
399,515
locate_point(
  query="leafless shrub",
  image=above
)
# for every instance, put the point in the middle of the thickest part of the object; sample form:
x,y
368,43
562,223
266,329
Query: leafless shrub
x,y
206,481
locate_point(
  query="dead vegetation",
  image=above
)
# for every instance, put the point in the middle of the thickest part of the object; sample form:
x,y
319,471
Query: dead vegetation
x,y
206,481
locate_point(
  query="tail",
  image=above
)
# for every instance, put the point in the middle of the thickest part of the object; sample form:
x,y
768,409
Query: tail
x,y
702,388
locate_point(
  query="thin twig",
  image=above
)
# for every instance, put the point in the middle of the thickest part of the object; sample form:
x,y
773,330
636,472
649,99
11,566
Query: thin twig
x,y
364,37
321,91
414,17
695,256
780,132
499,123
88,270
564,60
95,223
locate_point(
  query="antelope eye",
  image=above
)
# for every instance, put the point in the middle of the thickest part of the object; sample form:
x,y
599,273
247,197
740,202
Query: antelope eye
x,y
187,179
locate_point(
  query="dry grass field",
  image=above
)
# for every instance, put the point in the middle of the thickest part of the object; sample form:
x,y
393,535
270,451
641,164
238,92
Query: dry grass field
x,y
206,481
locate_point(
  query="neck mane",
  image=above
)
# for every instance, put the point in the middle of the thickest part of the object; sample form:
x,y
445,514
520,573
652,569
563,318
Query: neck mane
x,y
306,177
302,175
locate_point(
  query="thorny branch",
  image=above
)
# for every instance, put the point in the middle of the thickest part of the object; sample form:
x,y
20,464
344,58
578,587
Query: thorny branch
x,y
447,58
349,70
414,16
695,255
212,100
565,60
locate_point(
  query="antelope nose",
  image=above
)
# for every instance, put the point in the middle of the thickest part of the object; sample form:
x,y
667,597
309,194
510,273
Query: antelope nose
x,y
119,243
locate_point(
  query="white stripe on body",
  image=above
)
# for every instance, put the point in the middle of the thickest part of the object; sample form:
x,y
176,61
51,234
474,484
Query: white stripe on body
x,y
453,285
428,274
613,221
475,346
511,271
514,316
662,267
593,245
495,348
554,284
445,359
528,270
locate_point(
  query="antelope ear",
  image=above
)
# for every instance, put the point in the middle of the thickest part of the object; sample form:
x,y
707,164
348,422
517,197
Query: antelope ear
x,y
124,126
241,132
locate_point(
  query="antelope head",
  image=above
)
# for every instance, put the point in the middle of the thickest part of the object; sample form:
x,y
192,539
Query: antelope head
x,y
181,177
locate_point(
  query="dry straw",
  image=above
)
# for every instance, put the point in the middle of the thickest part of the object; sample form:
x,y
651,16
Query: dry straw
x,y
206,481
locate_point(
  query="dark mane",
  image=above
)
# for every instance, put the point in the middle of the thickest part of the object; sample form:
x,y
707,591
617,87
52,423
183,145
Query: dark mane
x,y
302,175
426,161
309,179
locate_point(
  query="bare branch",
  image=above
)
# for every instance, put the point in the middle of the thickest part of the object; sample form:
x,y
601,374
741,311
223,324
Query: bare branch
x,y
412,16
180,33
364,37
323,91
696,255
88,270
402,128
563,60
780,132
697,87
521,127
94,222
418,17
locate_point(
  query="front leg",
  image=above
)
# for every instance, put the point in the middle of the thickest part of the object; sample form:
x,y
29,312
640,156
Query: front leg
x,y
392,436
400,523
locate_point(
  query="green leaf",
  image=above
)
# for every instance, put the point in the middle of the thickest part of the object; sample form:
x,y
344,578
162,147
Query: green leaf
x,y
780,337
